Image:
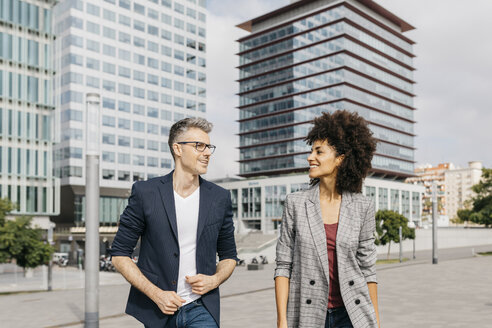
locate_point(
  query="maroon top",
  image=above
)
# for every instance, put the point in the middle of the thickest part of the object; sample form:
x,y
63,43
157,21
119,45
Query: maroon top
x,y
334,296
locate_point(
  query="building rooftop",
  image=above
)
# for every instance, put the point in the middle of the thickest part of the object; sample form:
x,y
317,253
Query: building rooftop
x,y
404,26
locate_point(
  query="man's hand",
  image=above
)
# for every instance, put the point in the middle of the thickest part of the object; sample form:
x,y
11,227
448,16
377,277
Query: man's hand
x,y
168,301
202,284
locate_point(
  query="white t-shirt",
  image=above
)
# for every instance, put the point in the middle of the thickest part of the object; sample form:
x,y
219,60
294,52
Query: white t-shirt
x,y
187,221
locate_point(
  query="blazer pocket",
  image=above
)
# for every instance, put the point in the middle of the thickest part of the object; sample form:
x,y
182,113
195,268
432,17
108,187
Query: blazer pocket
x,y
153,278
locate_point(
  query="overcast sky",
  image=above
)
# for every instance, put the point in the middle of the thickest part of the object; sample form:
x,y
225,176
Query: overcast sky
x,y
454,77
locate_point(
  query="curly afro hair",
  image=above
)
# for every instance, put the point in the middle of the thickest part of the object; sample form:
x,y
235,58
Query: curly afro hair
x,y
349,135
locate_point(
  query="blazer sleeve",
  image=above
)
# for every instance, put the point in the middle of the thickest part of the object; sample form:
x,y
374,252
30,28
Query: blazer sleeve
x,y
226,244
131,226
285,244
366,252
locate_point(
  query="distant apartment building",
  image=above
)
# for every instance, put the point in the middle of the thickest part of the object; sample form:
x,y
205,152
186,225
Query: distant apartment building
x,y
26,109
428,175
315,56
458,183
147,61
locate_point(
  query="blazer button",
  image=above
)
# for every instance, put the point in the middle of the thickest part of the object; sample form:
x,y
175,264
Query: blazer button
x,y
351,283
175,254
308,301
357,302
174,282
312,282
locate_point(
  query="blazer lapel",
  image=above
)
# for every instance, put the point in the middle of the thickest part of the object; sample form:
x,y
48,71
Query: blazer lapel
x,y
203,211
317,227
167,196
344,220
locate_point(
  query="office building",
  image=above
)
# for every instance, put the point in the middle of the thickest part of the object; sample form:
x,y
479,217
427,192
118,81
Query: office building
x,y
26,109
146,60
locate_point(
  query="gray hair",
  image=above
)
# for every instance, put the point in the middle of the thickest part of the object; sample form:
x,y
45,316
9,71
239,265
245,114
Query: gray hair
x,y
184,125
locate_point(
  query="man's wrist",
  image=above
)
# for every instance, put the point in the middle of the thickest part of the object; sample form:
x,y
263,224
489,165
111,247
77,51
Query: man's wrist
x,y
216,281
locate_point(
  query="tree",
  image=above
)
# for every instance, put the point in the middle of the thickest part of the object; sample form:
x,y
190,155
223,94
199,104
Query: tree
x,y
5,207
387,228
19,241
481,209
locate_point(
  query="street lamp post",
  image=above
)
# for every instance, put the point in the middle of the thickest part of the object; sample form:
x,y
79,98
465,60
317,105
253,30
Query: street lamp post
x,y
92,212
434,223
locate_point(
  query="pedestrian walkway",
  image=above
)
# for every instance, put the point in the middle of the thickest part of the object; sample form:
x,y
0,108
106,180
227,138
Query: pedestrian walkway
x,y
454,293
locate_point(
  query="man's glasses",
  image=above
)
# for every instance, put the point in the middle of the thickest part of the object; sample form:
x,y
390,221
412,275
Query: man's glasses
x,y
200,146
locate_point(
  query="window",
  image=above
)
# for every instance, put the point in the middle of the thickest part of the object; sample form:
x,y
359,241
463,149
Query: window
x,y
72,115
72,40
108,139
109,33
109,103
125,4
138,109
202,3
191,74
124,55
166,115
179,8
108,174
124,89
166,83
92,81
123,141
124,124
167,3
93,10
124,175
109,15
153,63
166,19
190,89
166,67
166,99
123,159
139,92
138,143
109,68
124,71
190,58
190,104
191,12
179,54
92,63
166,51
179,23
201,32
152,128
202,62
179,39
139,9
108,156
152,112
139,76
139,25
190,28
179,102
165,163
124,37
138,126
109,50
109,86
152,30
124,106
202,17
124,20
201,46
202,77
152,79
152,46
190,43
178,70
108,121
152,13
166,35
165,130
178,86
152,145
93,28
139,42
93,45
138,160
201,107
152,95
152,161
139,59
67,78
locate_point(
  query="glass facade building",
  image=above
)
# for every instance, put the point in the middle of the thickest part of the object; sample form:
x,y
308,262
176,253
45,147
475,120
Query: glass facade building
x,y
147,60
319,56
27,108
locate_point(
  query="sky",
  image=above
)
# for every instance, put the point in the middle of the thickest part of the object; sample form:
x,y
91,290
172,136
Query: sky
x,y
453,75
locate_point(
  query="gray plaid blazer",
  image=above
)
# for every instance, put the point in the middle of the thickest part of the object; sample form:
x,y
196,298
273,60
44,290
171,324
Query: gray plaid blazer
x,y
302,256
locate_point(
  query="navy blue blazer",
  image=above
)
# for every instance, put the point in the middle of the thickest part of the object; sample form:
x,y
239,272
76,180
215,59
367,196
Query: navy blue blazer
x,y
151,216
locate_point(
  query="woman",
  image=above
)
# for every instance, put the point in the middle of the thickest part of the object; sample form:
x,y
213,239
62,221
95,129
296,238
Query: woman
x,y
325,275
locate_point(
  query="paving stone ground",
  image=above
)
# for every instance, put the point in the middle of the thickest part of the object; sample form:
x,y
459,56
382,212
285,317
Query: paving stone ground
x,y
454,293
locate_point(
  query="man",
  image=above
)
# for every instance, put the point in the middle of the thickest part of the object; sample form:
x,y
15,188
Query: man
x,y
183,221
